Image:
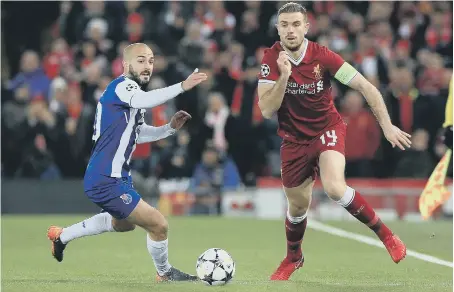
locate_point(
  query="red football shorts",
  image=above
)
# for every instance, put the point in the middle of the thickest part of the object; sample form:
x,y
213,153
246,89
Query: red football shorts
x,y
300,161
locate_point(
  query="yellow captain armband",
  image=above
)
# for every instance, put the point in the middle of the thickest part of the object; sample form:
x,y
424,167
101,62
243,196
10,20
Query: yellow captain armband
x,y
345,73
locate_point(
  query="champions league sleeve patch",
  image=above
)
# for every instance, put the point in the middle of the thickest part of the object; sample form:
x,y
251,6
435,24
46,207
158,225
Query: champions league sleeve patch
x,y
265,70
125,90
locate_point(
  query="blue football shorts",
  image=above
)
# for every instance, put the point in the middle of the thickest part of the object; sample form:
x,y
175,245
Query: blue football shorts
x,y
118,199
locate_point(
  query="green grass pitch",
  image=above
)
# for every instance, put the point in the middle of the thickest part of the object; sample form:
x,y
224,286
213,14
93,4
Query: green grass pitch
x,y
120,262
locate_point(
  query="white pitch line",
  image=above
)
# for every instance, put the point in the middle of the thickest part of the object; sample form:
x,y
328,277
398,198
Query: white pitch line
x,y
371,241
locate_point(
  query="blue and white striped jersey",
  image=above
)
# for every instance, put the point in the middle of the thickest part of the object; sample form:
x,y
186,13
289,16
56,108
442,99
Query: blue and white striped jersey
x,y
116,130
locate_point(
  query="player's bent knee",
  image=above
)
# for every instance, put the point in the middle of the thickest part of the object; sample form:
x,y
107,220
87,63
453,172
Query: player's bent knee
x,y
334,189
298,206
149,219
160,229
299,198
297,210
122,225
156,223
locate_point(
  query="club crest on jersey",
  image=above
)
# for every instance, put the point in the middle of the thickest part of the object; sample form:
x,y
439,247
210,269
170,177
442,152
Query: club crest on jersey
x,y
127,198
317,72
265,70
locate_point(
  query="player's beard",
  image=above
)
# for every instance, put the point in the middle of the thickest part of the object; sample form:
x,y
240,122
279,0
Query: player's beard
x,y
136,77
294,47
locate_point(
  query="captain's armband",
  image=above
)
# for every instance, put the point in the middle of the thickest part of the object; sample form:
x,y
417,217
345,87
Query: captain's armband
x,y
345,73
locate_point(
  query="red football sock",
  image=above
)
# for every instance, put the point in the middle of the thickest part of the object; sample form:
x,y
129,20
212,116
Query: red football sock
x,y
362,211
294,233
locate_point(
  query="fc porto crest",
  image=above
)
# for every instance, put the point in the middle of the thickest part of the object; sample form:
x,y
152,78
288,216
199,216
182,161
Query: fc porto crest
x,y
127,198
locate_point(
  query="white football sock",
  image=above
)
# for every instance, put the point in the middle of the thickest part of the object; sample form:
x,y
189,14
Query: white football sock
x,y
159,251
348,197
97,224
296,220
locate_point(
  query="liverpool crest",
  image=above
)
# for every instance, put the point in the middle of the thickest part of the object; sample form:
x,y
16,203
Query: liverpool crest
x,y
317,72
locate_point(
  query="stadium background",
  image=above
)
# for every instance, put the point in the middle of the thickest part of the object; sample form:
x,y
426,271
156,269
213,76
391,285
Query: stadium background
x,y
57,59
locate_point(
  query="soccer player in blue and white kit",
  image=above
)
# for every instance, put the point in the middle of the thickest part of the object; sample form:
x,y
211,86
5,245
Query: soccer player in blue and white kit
x,y
118,127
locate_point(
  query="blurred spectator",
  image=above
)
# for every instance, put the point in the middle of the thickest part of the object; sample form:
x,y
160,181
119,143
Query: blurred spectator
x,y
416,162
58,95
405,103
439,33
178,163
92,75
363,136
16,129
32,76
102,84
369,60
78,128
95,23
60,55
38,162
401,56
431,79
228,69
135,28
173,21
250,35
355,26
379,11
141,23
89,54
71,137
216,119
218,24
192,46
212,176
117,63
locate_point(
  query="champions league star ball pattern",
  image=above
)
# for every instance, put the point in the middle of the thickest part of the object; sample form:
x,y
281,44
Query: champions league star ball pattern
x,y
215,267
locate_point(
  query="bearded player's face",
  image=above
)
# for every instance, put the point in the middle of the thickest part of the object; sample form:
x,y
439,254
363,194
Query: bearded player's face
x,y
141,66
292,27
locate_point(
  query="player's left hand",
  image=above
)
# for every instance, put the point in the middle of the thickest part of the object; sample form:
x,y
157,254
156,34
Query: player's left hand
x,y
179,119
397,137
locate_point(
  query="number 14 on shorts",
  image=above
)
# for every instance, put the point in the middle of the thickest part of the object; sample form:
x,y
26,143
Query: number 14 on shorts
x,y
329,138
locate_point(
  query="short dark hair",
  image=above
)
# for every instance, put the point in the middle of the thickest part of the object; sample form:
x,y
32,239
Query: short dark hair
x,y
291,7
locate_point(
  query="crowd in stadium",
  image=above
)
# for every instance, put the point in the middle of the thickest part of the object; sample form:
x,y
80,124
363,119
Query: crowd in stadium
x,y
49,95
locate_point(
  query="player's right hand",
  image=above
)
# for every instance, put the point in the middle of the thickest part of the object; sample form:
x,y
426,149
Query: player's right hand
x,y
193,80
284,64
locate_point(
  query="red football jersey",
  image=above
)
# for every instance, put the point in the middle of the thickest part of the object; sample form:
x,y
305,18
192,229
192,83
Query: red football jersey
x,y
308,107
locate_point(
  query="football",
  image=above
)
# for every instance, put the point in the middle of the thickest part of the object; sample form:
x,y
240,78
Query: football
x,y
215,267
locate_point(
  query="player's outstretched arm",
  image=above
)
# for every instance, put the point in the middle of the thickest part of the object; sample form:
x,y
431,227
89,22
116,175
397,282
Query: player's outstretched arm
x,y
375,100
149,134
147,99
271,95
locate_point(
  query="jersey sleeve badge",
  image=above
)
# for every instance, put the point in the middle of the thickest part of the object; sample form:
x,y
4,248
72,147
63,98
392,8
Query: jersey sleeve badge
x,y
265,70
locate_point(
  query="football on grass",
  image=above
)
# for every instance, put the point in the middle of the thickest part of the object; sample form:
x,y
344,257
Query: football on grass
x,y
215,267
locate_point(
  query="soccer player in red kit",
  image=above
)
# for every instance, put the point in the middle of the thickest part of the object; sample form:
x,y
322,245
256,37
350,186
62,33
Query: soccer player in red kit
x,y
295,82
